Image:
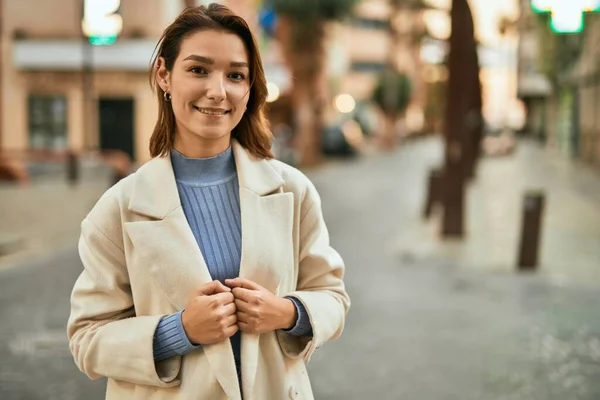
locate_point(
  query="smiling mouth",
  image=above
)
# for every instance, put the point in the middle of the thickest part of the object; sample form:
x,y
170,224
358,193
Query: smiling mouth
x,y
212,111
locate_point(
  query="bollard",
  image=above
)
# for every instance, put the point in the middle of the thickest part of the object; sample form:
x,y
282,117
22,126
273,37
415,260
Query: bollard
x,y
120,163
434,191
72,168
118,174
533,207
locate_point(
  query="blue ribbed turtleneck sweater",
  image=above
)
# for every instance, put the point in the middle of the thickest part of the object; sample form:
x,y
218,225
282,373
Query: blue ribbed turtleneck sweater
x,y
209,193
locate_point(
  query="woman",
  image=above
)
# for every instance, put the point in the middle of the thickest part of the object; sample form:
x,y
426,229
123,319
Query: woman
x,y
208,273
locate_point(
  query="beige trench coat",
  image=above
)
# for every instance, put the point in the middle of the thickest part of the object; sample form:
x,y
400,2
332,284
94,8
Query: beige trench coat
x,y
141,262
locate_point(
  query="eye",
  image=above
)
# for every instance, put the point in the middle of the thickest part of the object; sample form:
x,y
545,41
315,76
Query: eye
x,y
197,70
236,76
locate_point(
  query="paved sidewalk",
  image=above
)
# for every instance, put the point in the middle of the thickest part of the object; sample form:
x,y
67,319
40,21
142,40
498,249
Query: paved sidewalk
x,y
45,215
452,321
570,238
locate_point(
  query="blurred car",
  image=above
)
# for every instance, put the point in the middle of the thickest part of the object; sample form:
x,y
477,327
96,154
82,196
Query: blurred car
x,y
342,139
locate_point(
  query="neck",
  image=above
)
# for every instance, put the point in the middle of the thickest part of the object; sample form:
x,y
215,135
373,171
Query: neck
x,y
199,147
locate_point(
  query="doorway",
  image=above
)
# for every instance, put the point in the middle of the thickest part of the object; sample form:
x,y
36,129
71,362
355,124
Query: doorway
x,y
116,125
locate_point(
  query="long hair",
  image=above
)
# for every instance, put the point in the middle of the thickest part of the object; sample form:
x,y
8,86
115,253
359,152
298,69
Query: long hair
x,y
252,132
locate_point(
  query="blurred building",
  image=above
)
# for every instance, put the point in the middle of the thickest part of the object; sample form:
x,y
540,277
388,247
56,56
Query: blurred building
x,y
421,50
50,101
366,42
59,92
559,81
533,85
587,81
370,46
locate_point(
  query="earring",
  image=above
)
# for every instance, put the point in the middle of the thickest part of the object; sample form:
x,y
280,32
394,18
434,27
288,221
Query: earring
x,y
167,96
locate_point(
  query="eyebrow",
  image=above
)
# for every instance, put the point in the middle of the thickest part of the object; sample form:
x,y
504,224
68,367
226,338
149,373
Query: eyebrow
x,y
210,61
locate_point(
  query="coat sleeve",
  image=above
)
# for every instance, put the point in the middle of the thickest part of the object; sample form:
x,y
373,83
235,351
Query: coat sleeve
x,y
106,337
320,286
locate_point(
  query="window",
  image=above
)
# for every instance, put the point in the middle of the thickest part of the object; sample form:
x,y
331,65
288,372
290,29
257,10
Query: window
x,y
368,23
368,66
47,122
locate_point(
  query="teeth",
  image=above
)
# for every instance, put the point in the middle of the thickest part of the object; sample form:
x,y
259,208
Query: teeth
x,y
211,112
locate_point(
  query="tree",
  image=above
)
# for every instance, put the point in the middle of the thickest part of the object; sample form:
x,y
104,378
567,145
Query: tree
x,y
301,31
463,103
398,86
406,41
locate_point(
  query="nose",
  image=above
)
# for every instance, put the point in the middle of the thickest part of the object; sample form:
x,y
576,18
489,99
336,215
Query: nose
x,y
216,88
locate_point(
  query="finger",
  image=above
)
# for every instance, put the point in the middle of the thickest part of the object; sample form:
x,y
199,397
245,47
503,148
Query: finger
x,y
231,330
231,320
221,288
213,288
232,283
242,306
242,283
229,309
244,327
243,317
243,294
224,298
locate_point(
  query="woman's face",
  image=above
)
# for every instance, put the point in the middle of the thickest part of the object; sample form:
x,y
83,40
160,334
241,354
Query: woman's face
x,y
209,87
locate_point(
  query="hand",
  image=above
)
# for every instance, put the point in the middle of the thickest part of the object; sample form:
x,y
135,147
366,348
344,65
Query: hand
x,y
259,310
210,316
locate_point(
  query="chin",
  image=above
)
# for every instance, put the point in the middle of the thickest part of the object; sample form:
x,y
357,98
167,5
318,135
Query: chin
x,y
212,134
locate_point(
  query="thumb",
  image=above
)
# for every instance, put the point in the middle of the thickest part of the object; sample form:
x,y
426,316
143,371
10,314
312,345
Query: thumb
x,y
243,283
213,287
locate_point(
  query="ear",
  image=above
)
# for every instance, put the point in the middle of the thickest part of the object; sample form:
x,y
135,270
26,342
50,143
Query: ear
x,y
163,76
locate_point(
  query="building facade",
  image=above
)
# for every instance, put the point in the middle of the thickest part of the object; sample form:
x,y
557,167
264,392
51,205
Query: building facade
x,y
563,101
60,93
370,47
585,82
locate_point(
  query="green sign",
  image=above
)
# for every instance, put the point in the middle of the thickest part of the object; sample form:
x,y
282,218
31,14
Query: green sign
x,y
566,15
102,40
102,22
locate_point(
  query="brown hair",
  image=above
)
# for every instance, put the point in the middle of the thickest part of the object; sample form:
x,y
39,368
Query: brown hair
x,y
252,131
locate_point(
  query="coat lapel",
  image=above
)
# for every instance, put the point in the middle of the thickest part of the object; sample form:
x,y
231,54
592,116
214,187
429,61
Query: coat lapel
x,y
267,216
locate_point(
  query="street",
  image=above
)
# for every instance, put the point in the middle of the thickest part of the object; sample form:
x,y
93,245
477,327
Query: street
x,y
424,322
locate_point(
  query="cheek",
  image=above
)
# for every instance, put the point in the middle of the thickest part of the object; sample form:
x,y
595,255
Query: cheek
x,y
239,97
185,91
180,108
188,94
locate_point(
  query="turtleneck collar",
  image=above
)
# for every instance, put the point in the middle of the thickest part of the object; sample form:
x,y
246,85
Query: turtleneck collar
x,y
203,171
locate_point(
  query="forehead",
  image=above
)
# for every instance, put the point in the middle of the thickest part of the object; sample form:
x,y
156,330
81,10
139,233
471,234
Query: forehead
x,y
221,46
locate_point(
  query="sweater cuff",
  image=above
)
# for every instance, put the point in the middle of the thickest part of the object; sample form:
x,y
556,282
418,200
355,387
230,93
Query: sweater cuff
x,y
170,338
302,326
